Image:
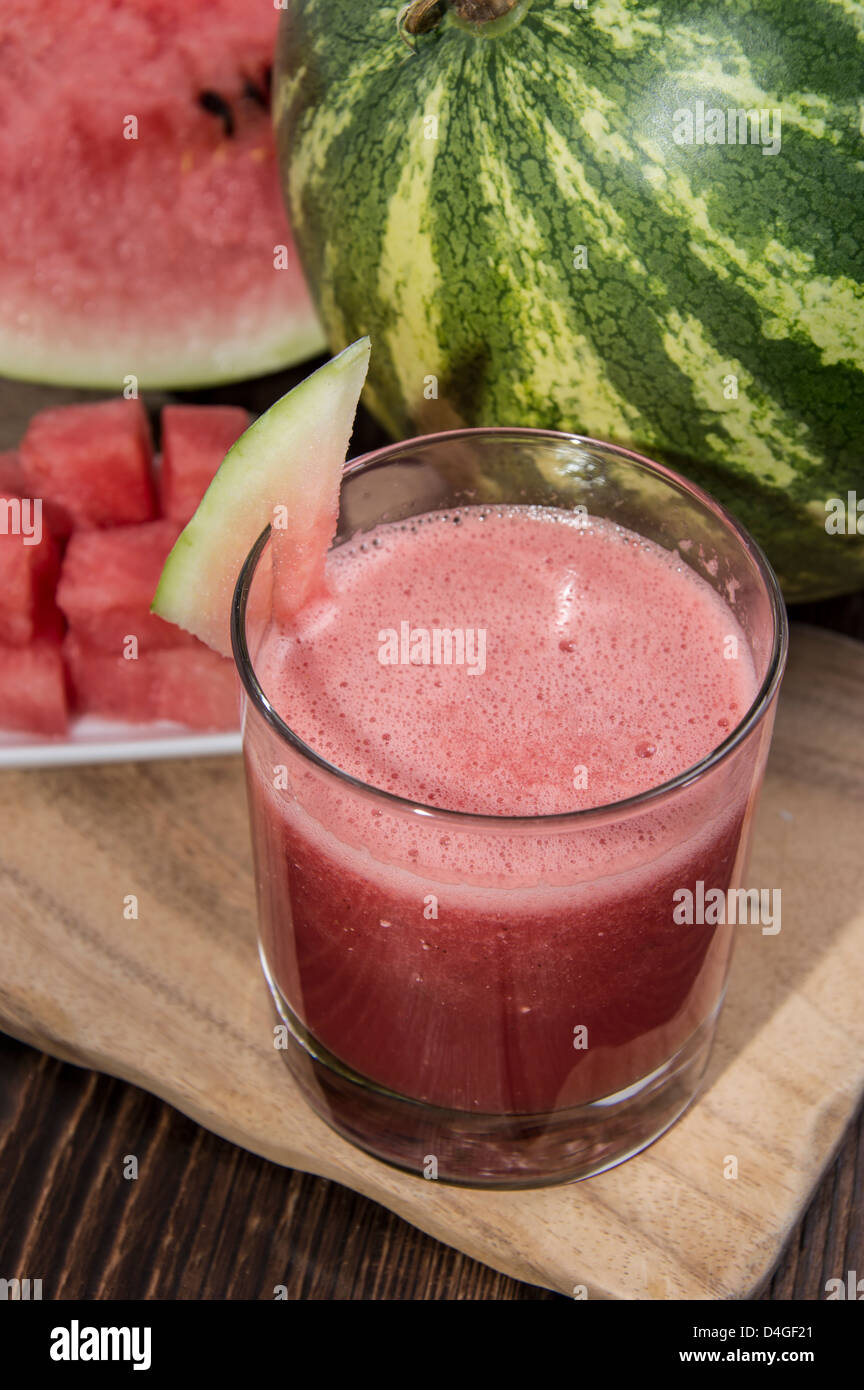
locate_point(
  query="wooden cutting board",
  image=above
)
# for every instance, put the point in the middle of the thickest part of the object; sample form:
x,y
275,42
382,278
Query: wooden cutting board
x,y
173,1001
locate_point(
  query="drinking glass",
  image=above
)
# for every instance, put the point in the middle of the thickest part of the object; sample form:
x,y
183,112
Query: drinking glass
x,y
504,1001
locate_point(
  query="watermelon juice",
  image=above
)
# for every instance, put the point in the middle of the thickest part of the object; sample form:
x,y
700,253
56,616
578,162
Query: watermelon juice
x,y
465,873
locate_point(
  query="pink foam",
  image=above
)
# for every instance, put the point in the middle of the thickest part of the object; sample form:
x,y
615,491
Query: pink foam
x,y
602,652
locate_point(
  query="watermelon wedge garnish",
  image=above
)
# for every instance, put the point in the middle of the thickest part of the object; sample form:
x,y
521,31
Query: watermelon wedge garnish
x,y
285,469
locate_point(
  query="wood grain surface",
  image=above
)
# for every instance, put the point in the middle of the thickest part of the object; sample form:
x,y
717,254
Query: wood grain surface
x,y
207,1220
173,1002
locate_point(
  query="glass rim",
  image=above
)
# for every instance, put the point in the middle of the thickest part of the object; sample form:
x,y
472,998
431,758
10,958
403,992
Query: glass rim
x,y
612,810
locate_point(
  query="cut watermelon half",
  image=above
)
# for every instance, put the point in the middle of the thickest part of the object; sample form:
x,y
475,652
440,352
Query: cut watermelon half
x,y
286,469
143,226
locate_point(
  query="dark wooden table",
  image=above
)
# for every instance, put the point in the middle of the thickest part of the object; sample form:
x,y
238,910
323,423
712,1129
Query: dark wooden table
x,y
205,1220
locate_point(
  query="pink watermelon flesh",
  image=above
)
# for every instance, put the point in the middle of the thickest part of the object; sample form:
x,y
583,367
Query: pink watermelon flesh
x,y
33,688
195,439
92,463
13,482
191,686
28,575
11,477
107,584
157,256
300,543
197,688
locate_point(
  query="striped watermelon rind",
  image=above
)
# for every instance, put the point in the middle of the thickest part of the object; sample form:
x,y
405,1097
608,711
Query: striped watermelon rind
x,y
454,247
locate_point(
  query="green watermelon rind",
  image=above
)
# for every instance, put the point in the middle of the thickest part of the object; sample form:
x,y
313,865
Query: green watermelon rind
x,y
108,364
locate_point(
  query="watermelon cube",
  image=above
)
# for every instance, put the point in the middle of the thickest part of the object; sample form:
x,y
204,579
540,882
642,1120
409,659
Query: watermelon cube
x,y
195,439
197,687
92,463
106,684
28,572
190,685
107,584
11,476
13,483
33,688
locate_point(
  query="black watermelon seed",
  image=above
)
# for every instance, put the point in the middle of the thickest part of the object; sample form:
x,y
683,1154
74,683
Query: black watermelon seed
x,y
256,93
218,106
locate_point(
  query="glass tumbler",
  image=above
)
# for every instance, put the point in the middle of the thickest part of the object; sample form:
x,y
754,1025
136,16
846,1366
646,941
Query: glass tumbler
x,y
533,1013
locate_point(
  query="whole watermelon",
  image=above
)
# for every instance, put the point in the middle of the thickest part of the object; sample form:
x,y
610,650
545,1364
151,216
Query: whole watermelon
x,y
637,221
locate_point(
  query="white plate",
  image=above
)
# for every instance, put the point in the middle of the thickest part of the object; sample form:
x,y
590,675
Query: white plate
x,y
92,740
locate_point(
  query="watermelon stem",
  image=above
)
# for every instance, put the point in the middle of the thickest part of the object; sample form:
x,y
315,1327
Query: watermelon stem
x,y
481,11
482,17
489,17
